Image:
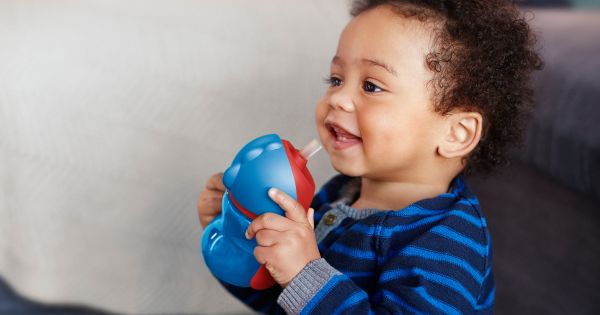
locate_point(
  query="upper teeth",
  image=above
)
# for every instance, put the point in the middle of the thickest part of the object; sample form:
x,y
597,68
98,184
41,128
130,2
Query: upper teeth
x,y
338,136
337,130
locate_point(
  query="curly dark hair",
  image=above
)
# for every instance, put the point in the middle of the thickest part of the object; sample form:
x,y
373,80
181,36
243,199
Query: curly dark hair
x,y
482,59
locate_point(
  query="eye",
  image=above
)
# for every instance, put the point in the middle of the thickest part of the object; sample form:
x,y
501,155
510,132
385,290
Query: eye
x,y
333,81
371,87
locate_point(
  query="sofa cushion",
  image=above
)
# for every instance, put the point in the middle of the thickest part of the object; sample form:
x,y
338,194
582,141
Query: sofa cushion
x,y
563,136
545,238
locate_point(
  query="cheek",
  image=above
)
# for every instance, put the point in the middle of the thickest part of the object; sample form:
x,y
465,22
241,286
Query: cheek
x,y
380,125
320,110
389,133
320,114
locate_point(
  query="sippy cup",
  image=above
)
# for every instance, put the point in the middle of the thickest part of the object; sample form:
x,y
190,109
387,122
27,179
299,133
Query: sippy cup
x,y
264,162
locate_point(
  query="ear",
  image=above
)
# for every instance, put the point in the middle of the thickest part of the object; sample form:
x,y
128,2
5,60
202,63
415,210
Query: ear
x,y
462,134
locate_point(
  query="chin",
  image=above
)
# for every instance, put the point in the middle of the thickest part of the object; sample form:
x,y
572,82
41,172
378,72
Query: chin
x,y
347,169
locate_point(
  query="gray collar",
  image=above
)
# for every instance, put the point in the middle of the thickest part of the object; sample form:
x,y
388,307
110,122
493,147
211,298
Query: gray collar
x,y
355,213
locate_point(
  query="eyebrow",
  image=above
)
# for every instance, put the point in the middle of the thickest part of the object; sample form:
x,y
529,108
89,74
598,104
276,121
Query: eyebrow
x,y
372,62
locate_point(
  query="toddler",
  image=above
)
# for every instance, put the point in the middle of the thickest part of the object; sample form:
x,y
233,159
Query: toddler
x,y
420,94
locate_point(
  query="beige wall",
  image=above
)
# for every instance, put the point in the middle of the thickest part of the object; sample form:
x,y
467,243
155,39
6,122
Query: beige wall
x,y
112,116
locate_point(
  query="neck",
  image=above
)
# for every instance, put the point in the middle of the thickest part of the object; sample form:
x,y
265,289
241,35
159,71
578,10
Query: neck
x,y
393,195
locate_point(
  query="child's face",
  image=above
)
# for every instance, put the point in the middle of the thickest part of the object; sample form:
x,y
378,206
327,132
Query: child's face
x,y
389,109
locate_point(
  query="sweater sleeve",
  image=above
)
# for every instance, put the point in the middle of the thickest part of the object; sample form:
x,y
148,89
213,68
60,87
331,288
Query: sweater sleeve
x,y
446,276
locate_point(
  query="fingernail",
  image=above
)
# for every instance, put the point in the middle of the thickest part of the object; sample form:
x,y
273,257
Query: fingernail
x,y
246,234
272,192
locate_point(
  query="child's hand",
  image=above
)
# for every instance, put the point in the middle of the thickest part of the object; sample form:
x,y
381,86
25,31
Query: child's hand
x,y
209,202
285,244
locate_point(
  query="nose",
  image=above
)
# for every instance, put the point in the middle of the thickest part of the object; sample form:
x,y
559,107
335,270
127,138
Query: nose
x,y
342,99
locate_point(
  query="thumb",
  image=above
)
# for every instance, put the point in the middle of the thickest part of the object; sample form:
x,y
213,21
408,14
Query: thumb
x,y
311,217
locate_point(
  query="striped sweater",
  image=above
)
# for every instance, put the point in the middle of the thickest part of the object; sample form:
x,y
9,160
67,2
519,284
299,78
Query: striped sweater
x,y
432,257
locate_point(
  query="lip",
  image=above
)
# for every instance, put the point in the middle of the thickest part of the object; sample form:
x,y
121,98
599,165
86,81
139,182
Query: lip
x,y
329,124
341,145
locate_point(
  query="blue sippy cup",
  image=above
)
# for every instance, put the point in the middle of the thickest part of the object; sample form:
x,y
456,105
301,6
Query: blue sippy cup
x,y
264,162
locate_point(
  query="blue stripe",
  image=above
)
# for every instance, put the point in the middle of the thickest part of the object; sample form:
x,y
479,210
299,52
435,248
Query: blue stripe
x,y
392,297
408,251
353,252
321,294
413,210
416,210
443,307
439,230
354,299
455,236
488,301
388,231
446,308
438,256
487,272
469,201
431,276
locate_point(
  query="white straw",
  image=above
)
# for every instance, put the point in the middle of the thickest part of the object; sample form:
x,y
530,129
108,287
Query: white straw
x,y
311,148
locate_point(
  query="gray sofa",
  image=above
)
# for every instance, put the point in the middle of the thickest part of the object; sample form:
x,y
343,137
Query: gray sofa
x,y
544,210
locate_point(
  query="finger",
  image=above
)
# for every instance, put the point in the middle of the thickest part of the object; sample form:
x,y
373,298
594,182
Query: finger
x,y
293,209
269,221
267,238
205,220
209,205
263,254
205,209
215,182
311,217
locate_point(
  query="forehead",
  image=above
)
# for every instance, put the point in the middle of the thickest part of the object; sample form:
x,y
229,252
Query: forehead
x,y
382,34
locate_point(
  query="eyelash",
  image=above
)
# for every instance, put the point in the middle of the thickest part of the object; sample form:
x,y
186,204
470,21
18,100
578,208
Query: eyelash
x,y
329,80
333,80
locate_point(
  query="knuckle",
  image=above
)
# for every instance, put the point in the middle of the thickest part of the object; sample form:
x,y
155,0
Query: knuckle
x,y
285,201
260,236
302,233
268,217
259,255
291,241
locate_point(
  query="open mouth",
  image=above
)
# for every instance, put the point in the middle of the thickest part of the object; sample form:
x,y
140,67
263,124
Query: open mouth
x,y
342,135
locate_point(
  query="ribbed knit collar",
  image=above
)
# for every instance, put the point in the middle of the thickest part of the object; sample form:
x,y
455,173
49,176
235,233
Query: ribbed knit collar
x,y
350,192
